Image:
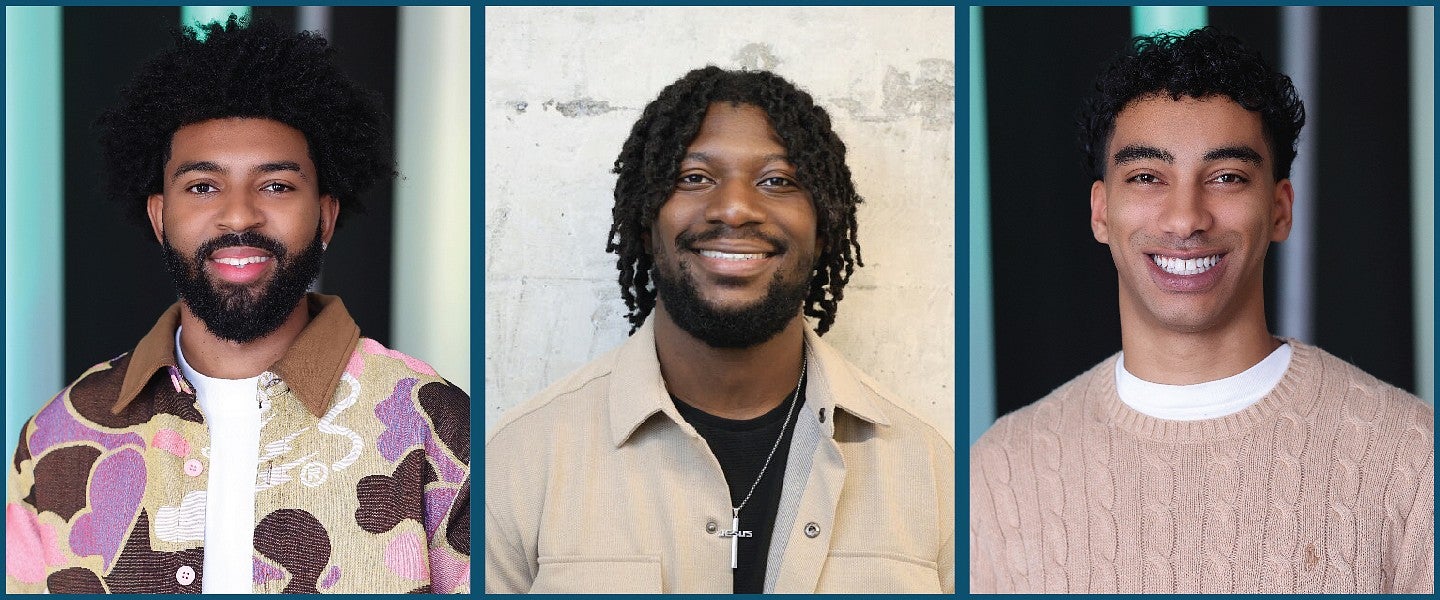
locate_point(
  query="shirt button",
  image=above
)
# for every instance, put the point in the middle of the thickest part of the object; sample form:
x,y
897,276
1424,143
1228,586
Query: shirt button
x,y
812,529
185,575
711,527
193,468
822,415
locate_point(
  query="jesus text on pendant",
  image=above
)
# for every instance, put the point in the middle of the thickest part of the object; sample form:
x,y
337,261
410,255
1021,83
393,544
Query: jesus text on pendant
x,y
733,533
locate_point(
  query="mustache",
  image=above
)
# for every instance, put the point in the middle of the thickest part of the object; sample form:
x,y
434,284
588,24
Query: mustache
x,y
248,238
687,239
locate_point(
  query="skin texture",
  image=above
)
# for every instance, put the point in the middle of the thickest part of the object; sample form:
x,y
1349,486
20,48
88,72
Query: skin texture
x,y
1197,196
734,179
236,196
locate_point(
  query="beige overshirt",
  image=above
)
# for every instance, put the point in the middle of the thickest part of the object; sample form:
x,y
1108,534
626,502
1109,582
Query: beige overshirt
x,y
598,485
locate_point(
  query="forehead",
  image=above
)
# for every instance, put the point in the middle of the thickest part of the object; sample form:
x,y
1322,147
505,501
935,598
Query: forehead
x,y
1188,126
737,128
240,141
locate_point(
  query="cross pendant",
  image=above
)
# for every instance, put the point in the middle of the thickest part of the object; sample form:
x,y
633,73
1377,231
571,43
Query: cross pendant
x,y
735,534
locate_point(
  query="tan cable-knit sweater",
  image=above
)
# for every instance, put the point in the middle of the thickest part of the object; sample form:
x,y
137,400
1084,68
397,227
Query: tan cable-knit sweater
x,y
1324,485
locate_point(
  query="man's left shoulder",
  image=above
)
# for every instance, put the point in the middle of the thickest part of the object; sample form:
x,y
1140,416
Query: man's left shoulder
x,y
372,361
1367,400
903,421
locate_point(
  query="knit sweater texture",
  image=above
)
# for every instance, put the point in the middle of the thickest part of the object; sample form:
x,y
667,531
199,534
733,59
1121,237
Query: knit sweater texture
x,y
1326,485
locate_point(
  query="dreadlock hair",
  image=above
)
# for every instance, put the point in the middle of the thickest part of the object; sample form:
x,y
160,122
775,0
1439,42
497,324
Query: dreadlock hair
x,y
649,164
1204,62
250,70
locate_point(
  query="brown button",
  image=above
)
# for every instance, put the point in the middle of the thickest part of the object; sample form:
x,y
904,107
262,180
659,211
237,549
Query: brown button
x,y
822,415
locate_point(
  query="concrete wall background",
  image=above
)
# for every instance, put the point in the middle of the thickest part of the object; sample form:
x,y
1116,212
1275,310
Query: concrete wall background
x,y
564,85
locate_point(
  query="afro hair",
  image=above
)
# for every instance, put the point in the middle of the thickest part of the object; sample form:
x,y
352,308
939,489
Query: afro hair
x,y
250,70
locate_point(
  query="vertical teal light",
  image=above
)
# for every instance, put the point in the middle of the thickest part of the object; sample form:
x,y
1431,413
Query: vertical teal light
x,y
982,343
1145,20
33,214
190,15
1422,184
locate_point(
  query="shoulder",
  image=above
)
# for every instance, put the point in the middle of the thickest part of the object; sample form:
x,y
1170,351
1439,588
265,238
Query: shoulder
x,y
575,400
1046,415
1367,403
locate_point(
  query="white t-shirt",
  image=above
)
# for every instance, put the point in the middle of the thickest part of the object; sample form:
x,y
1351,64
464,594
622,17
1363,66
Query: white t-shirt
x,y
232,413
1208,400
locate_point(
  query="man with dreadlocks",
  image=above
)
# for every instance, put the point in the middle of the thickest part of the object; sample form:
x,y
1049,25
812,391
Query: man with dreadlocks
x,y
724,447
253,441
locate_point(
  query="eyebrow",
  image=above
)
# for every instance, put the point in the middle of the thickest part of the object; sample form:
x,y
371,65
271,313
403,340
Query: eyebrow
x,y
1134,152
706,158
1243,153
205,166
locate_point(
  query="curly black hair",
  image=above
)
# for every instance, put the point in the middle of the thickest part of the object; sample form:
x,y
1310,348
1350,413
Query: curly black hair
x,y
248,69
1204,62
649,164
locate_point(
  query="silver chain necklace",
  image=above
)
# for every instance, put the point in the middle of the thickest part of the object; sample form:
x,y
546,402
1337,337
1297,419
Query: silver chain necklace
x,y
734,532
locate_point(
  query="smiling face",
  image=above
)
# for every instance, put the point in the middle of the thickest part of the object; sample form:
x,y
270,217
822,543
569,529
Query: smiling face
x,y
241,221
735,243
1189,206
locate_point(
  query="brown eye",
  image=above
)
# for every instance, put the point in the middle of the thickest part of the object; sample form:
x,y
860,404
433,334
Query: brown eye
x,y
777,182
201,188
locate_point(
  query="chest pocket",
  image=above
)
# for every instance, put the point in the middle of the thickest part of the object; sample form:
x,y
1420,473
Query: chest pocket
x,y
878,573
598,575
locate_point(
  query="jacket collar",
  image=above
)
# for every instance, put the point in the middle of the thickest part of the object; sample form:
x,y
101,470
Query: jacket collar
x,y
311,368
637,389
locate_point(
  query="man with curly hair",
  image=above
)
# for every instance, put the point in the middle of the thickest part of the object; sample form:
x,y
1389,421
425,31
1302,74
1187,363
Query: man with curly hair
x,y
724,447
1208,456
253,441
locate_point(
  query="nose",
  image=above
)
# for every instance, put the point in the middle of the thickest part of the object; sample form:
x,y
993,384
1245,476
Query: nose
x,y
1186,212
239,211
736,203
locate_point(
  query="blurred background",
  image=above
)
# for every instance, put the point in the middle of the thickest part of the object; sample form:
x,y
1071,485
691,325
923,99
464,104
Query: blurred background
x,y
1356,276
563,85
82,285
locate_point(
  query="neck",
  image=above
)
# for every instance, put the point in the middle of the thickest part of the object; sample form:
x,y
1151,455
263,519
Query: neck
x,y
225,359
1159,355
732,383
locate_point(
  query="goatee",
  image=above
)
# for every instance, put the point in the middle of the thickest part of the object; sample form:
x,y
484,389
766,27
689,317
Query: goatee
x,y
738,327
244,313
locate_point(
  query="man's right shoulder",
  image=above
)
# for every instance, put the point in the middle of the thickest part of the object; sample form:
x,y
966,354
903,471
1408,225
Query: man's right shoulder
x,y
1048,414
94,392
575,399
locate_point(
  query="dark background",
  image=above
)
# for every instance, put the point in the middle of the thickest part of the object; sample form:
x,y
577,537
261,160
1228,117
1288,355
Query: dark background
x,y
1056,311
115,282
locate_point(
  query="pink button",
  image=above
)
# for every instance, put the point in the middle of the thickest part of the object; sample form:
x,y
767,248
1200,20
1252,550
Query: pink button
x,y
185,575
193,467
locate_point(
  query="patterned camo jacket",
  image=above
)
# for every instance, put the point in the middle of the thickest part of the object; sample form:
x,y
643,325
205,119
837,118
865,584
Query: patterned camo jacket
x,y
363,483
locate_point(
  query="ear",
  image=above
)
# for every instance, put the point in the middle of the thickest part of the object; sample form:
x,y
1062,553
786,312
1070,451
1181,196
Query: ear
x,y
1099,220
329,212
1282,215
155,208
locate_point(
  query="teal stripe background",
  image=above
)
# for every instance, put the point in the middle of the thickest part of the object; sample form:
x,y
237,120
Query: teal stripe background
x,y
34,198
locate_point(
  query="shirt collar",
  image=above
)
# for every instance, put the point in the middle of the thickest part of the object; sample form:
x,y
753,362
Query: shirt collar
x,y
637,390
311,367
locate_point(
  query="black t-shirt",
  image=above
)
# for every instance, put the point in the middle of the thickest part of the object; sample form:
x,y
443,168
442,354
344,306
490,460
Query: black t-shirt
x,y
741,448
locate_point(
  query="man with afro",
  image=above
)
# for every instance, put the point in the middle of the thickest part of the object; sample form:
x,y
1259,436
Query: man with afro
x,y
1207,456
253,441
724,447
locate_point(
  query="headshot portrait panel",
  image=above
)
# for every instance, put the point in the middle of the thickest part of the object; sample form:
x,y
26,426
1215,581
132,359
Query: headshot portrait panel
x,y
1205,325
237,269
564,86
719,261
1351,278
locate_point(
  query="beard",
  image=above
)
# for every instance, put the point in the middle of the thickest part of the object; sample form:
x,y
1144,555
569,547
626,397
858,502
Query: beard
x,y
244,313
737,327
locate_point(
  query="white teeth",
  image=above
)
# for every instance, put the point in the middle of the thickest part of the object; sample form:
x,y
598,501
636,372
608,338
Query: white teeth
x,y
729,256
1185,266
240,262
